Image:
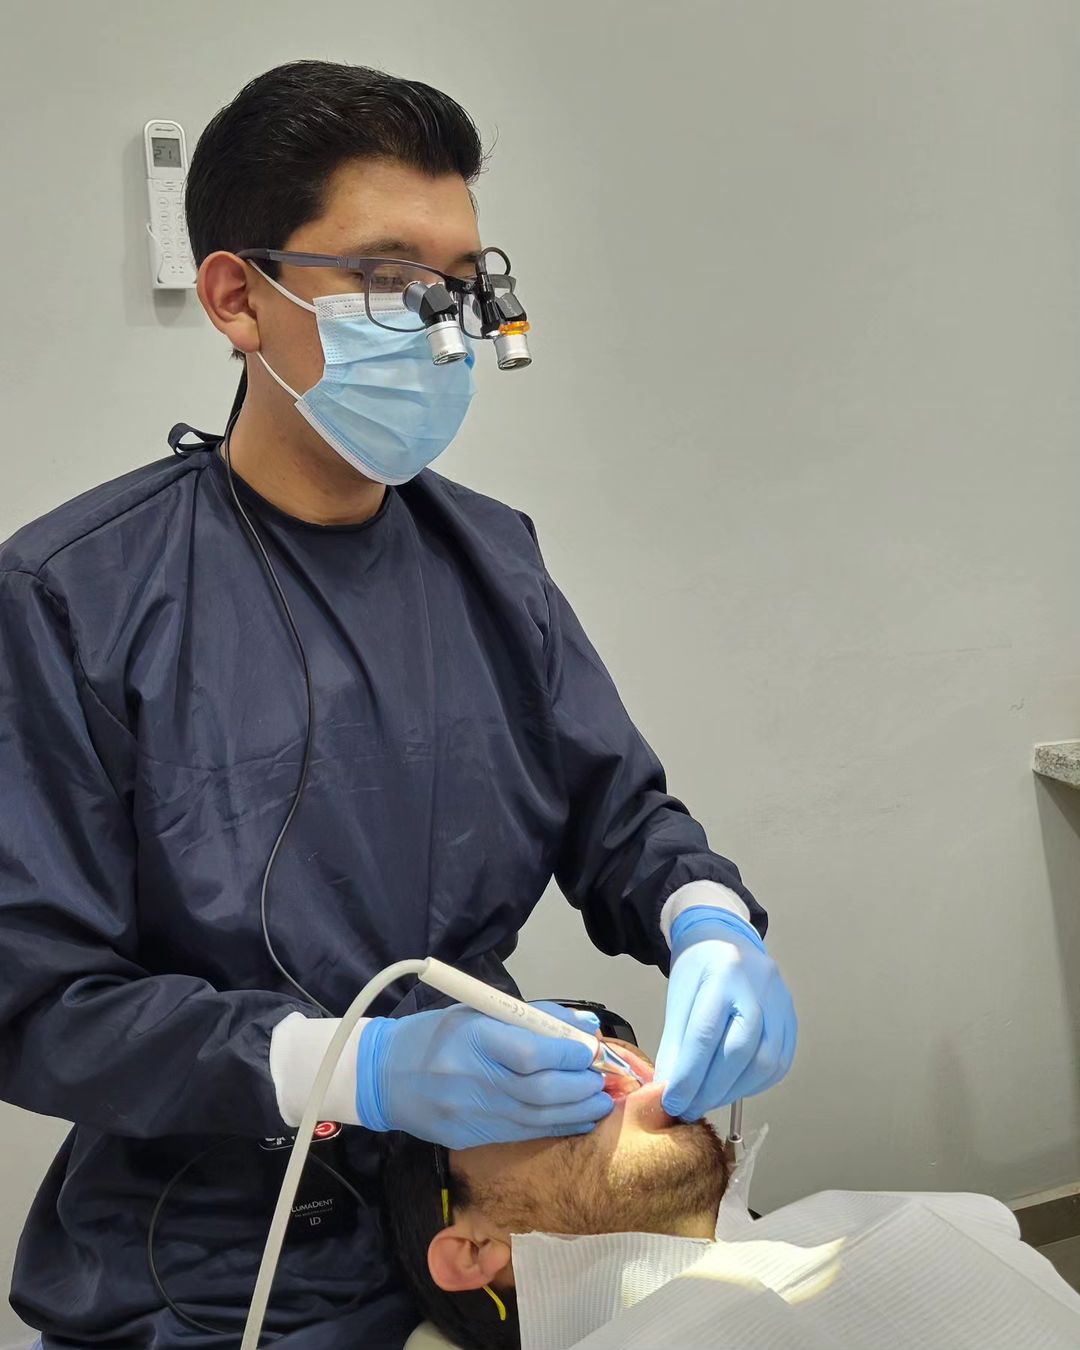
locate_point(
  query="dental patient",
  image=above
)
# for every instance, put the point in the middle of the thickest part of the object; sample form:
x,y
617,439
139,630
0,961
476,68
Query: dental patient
x,y
638,1171
472,1231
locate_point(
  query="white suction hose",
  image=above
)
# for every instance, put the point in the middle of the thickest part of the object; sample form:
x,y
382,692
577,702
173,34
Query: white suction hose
x,y
298,1156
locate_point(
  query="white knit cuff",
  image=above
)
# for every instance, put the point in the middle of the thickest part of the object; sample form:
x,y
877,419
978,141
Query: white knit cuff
x,y
700,893
297,1045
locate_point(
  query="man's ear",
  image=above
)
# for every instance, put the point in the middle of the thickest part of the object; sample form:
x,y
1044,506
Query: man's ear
x,y
223,287
461,1258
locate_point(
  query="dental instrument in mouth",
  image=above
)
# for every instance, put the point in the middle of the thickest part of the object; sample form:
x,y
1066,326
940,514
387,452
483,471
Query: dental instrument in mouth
x,y
484,998
608,1061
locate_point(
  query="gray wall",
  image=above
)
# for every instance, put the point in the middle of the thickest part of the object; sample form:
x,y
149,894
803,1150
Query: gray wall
x,y
813,487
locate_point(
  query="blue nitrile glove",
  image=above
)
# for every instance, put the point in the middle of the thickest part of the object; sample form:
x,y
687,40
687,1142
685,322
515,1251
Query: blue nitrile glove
x,y
459,1078
730,1027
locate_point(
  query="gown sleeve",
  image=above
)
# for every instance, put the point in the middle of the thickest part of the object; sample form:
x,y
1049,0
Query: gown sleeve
x,y
86,1033
628,844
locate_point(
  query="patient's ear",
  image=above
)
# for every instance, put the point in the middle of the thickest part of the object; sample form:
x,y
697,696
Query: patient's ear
x,y
461,1258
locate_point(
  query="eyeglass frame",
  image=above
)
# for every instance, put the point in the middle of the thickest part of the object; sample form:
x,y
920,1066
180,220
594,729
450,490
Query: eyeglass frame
x,y
345,262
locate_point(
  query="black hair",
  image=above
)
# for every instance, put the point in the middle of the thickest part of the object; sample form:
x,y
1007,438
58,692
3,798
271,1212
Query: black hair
x,y
262,164
412,1215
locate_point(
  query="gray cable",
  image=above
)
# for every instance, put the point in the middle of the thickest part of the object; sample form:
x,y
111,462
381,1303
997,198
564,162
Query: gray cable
x,y
308,733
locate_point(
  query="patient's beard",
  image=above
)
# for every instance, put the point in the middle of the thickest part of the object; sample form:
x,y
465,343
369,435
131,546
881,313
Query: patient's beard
x,y
672,1184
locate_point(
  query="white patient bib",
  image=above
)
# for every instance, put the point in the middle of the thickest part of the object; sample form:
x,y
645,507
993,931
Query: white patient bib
x,y
567,1287
841,1270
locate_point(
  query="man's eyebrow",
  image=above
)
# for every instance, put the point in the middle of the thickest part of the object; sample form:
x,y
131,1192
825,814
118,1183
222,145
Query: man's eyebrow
x,y
401,248
380,248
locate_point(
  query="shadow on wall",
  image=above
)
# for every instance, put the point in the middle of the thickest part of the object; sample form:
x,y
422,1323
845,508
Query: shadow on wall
x,y
955,1127
1059,821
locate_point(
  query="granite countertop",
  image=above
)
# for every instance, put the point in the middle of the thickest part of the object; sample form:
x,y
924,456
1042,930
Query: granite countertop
x,y
1060,760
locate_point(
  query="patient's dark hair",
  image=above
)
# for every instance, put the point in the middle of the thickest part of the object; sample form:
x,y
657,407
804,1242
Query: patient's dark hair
x,y
412,1215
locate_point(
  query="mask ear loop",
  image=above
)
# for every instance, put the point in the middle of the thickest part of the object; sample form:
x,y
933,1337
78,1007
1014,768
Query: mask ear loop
x,y
296,301
275,376
445,1192
304,304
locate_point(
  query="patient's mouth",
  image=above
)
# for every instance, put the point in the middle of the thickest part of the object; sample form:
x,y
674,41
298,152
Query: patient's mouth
x,y
618,1085
640,1102
645,1111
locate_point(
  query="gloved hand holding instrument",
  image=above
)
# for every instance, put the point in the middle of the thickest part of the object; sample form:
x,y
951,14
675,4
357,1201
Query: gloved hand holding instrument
x,y
459,1078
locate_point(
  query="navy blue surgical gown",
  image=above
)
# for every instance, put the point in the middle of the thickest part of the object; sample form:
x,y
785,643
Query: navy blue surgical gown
x,y
468,745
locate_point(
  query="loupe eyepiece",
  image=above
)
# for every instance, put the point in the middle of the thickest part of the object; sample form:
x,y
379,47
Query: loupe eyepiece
x,y
439,312
512,345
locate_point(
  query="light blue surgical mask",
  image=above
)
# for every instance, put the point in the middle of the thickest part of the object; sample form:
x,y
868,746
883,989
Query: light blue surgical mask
x,y
381,403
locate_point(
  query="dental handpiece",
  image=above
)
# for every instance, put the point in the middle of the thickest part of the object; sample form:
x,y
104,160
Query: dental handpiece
x,y
484,998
